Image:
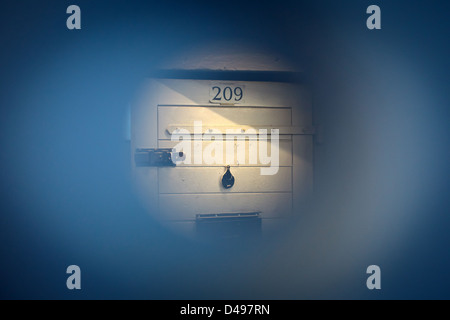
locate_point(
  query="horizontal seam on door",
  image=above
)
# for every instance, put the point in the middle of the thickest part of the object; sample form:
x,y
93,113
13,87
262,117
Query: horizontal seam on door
x,y
222,193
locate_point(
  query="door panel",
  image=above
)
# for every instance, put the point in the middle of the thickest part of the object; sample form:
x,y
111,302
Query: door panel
x,y
285,153
208,180
220,117
186,206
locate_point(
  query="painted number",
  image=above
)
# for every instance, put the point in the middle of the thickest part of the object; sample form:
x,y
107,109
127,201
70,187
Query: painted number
x,y
226,94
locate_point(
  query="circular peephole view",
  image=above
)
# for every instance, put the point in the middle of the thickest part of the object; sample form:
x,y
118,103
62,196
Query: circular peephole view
x,y
272,150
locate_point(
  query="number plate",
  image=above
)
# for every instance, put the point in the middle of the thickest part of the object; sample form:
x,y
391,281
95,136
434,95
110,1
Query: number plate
x,y
226,93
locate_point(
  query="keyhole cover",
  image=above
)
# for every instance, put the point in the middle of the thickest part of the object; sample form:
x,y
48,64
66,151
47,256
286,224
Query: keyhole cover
x,y
228,179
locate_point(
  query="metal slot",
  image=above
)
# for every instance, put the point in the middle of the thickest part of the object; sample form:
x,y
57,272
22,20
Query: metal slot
x,y
217,216
228,225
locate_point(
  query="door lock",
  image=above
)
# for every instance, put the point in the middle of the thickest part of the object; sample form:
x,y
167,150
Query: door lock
x,y
150,157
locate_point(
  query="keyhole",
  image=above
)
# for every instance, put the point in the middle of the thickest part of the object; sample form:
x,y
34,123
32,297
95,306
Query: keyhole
x,y
228,179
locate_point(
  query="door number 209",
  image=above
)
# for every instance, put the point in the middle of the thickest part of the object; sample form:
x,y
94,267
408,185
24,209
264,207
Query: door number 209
x,y
226,94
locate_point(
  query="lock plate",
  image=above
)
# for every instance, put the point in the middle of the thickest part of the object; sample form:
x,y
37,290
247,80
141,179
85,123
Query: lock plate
x,y
151,157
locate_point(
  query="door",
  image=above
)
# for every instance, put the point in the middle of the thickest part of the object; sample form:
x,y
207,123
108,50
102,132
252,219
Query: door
x,y
262,143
